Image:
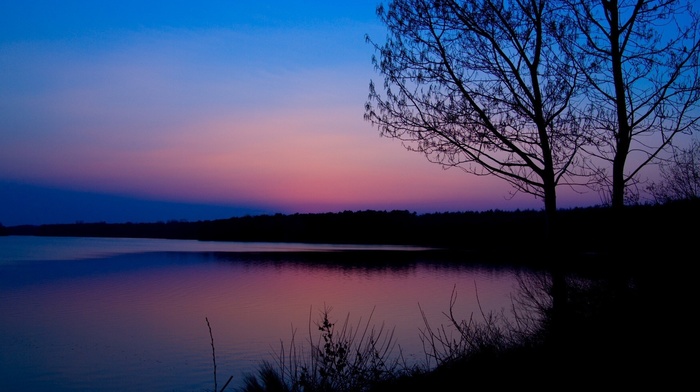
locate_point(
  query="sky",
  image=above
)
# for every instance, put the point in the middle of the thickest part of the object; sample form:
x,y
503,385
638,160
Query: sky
x,y
140,111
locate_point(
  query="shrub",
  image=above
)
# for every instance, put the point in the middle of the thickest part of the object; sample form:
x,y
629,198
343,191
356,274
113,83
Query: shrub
x,y
341,358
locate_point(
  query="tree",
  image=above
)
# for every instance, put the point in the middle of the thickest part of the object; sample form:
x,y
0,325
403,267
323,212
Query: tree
x,y
482,86
680,178
639,59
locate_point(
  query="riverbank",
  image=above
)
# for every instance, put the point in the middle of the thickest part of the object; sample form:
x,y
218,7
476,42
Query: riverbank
x,y
636,230
608,331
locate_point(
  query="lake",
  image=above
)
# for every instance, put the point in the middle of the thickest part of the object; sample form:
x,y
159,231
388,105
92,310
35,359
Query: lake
x,y
107,314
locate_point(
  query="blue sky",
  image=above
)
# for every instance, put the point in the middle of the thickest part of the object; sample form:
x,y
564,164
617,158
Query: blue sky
x,y
221,107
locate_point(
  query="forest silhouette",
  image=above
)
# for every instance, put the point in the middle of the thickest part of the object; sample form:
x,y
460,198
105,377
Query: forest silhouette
x,y
582,230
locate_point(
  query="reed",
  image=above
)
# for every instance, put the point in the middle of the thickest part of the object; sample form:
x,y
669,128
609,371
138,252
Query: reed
x,y
343,357
213,355
599,328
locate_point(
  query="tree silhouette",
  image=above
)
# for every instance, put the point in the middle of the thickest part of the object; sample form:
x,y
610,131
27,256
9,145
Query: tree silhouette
x,y
640,63
481,86
680,178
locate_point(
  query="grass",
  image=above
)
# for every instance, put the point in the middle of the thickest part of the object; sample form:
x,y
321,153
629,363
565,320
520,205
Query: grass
x,y
213,355
362,358
342,357
603,335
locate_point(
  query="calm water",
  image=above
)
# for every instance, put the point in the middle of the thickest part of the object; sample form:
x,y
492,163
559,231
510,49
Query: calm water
x,y
130,314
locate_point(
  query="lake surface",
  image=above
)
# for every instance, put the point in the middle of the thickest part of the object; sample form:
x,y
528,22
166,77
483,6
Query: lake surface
x,y
104,314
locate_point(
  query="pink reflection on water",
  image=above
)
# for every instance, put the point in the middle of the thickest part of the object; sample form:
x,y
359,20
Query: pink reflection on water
x,y
144,328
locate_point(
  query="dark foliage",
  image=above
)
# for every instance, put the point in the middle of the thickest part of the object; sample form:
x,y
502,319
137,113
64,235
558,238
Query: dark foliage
x,y
582,231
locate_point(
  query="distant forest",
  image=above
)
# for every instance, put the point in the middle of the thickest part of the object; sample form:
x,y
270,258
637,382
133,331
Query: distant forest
x,y
581,229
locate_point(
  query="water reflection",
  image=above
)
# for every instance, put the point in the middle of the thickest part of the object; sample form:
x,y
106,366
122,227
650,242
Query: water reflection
x,y
136,321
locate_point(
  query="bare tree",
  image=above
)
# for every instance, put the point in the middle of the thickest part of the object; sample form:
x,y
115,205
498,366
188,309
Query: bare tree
x,y
482,86
680,178
640,62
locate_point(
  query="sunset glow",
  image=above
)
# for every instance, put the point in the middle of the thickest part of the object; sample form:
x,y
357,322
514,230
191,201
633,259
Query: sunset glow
x,y
248,106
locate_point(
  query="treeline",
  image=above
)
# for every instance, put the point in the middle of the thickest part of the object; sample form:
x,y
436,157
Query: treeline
x,y
586,229
366,227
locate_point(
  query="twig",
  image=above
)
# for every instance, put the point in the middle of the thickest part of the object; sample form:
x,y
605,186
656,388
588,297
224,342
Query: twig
x,y
225,385
213,355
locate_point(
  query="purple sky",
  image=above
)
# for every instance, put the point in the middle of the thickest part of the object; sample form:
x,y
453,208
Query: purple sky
x,y
206,110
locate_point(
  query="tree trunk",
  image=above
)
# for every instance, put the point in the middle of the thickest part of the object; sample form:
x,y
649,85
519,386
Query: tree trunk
x,y
555,254
624,135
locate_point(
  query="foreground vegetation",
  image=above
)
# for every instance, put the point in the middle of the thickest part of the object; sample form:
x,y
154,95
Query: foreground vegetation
x,y
615,332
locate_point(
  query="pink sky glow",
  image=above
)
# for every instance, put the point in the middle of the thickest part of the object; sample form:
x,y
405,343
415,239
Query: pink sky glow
x,y
255,109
